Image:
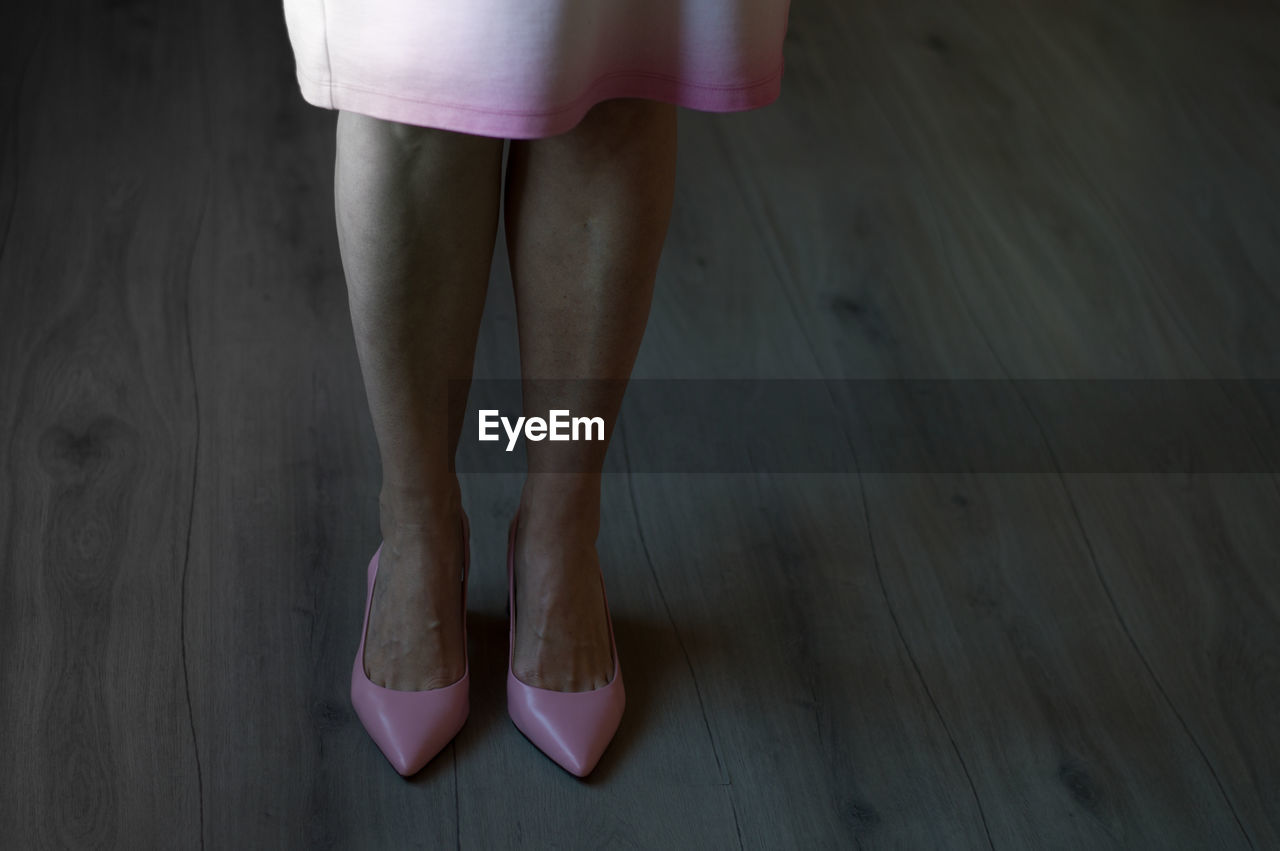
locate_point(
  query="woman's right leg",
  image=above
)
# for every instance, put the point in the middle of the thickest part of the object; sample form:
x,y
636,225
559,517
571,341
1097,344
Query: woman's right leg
x,y
417,216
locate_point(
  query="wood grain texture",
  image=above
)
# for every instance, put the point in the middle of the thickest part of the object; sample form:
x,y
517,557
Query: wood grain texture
x,y
989,193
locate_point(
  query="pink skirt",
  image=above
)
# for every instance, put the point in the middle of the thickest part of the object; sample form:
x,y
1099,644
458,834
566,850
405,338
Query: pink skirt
x,y
524,69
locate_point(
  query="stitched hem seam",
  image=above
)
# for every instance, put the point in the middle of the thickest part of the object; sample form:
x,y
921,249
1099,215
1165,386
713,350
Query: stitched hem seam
x,y
571,105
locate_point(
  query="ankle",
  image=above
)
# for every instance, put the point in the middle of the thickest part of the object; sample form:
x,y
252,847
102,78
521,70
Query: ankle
x,y
556,534
434,509
564,508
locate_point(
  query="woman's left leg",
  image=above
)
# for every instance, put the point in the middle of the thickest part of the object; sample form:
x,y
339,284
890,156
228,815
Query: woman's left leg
x,y
586,216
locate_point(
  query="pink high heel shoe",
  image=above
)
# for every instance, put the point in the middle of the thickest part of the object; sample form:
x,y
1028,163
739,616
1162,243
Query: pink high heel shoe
x,y
571,727
411,727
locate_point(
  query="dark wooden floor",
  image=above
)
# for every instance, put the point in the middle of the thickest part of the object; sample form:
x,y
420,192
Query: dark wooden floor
x,y
1051,655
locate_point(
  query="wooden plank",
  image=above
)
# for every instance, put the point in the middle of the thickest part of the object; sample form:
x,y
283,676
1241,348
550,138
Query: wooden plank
x,y
96,485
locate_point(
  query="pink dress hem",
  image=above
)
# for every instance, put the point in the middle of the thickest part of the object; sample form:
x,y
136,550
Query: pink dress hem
x,y
511,124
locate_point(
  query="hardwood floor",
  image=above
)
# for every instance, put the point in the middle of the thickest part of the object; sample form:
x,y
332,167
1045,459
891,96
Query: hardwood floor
x,y
996,611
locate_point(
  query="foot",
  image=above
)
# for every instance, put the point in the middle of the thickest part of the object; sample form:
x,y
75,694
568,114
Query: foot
x,y
562,629
415,640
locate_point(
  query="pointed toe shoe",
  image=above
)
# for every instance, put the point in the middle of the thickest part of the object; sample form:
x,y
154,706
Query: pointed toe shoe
x,y
411,727
572,728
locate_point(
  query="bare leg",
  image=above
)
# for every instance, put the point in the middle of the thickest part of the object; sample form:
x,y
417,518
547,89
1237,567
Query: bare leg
x,y
587,213
417,212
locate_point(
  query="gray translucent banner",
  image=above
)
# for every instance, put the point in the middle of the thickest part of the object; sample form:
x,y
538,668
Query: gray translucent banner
x,y
903,426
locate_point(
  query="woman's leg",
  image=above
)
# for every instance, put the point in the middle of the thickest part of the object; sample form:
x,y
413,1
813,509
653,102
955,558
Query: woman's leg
x,y
586,218
417,214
